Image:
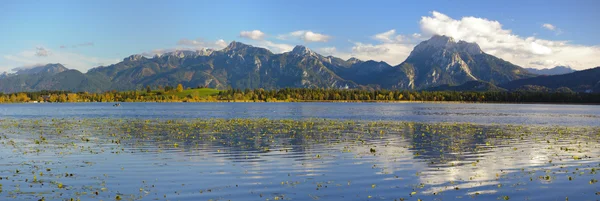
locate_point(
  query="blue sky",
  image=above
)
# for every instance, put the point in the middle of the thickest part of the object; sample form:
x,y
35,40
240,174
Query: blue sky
x,y
84,34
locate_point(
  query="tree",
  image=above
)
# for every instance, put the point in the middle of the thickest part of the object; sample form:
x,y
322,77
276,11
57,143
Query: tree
x,y
53,98
148,90
62,98
72,97
179,88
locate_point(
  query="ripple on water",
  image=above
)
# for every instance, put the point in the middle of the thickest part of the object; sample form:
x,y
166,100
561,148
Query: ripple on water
x,y
255,159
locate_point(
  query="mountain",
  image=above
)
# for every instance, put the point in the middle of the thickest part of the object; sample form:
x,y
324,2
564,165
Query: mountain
x,y
441,60
49,77
237,66
48,68
558,70
578,81
479,86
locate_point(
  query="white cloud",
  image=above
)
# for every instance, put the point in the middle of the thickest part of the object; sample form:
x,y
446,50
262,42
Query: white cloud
x,y
392,48
201,44
221,43
306,36
254,34
188,42
41,52
417,35
390,37
327,51
392,53
69,59
500,42
549,27
274,47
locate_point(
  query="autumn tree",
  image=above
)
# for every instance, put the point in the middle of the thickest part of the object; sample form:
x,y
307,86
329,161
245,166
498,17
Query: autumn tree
x,y
179,88
62,98
72,97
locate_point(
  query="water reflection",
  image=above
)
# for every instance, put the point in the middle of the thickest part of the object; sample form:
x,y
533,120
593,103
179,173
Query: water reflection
x,y
250,159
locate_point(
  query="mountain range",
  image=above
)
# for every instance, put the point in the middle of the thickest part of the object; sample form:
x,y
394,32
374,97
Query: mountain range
x,y
438,62
558,70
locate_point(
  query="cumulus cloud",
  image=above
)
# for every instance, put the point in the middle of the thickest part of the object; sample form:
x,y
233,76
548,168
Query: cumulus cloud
x,y
41,52
392,48
549,27
390,37
392,53
189,42
306,36
30,58
327,50
221,43
417,35
253,35
201,44
274,47
501,42
552,28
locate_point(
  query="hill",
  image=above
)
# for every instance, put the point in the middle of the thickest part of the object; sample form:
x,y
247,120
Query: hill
x,y
579,81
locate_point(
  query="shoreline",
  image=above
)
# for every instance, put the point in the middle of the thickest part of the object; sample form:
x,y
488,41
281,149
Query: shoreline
x,y
322,101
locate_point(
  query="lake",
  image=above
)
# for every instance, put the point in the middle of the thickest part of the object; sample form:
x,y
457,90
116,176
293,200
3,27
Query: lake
x,y
299,151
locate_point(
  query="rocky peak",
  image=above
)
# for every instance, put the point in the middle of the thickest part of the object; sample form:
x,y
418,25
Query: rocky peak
x,y
438,41
235,46
471,48
446,44
181,53
48,68
204,52
354,60
301,50
134,57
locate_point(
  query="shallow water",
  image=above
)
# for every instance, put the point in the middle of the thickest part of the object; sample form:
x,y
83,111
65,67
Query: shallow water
x,y
528,114
139,153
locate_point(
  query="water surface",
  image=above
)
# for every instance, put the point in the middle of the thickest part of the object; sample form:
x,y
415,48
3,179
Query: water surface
x,y
298,151
418,112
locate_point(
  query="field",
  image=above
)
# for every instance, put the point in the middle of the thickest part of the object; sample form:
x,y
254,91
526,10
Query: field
x,y
200,92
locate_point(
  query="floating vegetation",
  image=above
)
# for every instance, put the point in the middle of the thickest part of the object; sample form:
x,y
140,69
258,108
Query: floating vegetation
x,y
250,159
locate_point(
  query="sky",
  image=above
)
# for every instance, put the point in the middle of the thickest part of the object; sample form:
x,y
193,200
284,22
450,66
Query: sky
x,y
86,34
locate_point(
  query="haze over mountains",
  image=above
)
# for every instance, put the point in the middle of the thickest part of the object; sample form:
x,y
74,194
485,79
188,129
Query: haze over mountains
x,y
437,62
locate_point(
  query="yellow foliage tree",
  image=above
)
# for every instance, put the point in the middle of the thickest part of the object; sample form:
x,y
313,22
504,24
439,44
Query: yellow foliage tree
x,y
179,88
53,98
62,98
72,97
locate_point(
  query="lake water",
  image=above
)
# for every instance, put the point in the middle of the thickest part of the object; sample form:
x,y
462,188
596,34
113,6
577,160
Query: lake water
x,y
418,112
299,151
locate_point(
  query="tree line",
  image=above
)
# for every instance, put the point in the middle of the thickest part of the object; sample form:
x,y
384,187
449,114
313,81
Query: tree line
x,y
300,95
304,94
